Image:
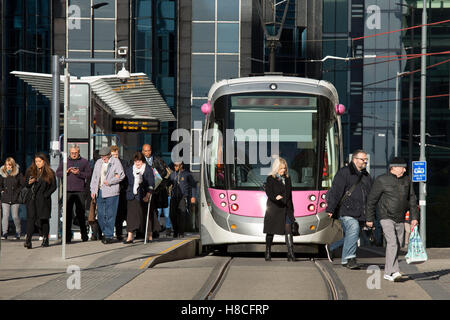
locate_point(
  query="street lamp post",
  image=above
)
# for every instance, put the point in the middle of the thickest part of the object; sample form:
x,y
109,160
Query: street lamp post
x,y
95,6
423,92
56,63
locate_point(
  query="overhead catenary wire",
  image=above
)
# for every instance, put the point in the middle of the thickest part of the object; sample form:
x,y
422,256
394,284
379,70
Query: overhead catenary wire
x,y
399,30
407,73
407,99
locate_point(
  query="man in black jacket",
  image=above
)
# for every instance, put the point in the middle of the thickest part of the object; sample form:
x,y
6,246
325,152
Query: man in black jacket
x,y
184,191
346,200
394,195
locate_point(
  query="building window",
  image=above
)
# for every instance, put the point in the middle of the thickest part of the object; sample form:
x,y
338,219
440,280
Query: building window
x,y
79,43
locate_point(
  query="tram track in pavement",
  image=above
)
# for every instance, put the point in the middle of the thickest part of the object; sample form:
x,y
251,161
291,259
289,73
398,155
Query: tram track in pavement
x,y
335,288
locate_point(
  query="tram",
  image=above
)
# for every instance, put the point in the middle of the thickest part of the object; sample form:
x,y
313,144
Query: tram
x,y
249,122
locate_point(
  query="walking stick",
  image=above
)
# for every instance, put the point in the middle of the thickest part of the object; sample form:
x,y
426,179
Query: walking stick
x,y
148,216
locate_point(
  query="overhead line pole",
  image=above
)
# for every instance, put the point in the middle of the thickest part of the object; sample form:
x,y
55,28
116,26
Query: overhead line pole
x,y
423,79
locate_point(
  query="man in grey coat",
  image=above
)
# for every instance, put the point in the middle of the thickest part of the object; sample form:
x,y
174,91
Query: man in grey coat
x,y
394,195
105,185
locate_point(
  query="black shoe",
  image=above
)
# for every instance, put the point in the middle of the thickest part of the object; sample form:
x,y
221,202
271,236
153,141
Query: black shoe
x,y
27,243
84,237
119,237
352,264
268,254
290,247
127,241
107,240
45,242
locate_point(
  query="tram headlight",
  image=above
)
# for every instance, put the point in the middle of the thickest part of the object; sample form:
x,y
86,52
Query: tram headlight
x,y
273,86
311,207
234,207
324,195
233,197
312,197
222,195
323,205
223,204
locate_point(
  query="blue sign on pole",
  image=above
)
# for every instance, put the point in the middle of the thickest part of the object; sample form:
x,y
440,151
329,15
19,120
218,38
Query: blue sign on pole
x,y
419,171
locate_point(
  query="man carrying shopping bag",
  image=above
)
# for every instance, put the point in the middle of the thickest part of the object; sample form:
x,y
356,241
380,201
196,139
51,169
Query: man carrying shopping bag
x,y
416,251
394,195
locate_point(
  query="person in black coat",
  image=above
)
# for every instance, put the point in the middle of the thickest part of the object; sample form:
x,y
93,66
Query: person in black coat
x,y
11,182
40,178
347,200
140,186
184,190
279,215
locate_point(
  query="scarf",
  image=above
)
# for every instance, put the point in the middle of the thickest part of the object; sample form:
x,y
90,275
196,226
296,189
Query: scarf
x,y
283,178
138,177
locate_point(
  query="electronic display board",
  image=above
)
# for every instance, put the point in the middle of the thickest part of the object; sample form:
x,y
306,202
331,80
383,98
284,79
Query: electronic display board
x,y
136,125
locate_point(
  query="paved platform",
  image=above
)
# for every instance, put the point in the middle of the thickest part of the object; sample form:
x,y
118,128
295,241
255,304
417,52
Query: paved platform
x,y
432,276
42,273
107,270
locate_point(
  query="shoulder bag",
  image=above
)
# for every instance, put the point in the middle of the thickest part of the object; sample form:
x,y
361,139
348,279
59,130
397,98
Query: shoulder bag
x,y
24,195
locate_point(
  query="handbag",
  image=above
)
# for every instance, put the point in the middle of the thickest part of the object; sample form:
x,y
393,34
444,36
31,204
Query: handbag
x,y
23,196
416,251
92,212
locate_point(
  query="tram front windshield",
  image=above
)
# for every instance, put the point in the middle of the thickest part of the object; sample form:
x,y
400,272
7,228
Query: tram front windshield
x,y
266,126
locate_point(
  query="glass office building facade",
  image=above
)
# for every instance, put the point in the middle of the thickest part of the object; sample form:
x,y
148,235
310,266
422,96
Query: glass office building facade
x,y
153,51
185,46
368,89
215,47
25,45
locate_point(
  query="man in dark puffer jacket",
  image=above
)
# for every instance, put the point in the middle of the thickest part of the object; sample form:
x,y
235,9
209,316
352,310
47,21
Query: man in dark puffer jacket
x,y
394,195
351,211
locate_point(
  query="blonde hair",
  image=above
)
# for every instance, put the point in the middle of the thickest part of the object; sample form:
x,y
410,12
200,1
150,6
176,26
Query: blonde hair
x,y
114,148
276,165
13,165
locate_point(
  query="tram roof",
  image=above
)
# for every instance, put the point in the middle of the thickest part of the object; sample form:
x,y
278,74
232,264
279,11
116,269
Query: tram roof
x,y
316,86
137,98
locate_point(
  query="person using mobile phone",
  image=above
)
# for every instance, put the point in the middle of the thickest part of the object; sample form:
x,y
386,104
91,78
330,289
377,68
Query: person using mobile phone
x,y
40,178
78,173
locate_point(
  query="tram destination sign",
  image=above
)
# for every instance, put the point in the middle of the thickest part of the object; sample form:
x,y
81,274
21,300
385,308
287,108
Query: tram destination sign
x,y
136,125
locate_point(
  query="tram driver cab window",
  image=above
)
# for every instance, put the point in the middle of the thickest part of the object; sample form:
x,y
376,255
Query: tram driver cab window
x,y
215,167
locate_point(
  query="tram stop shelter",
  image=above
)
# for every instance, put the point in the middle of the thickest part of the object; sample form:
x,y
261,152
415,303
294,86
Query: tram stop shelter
x,y
97,103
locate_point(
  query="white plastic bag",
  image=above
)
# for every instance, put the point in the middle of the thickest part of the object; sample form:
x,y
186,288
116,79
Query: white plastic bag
x,y
416,251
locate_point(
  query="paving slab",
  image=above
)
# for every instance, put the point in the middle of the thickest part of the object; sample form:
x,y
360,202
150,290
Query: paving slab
x,y
42,273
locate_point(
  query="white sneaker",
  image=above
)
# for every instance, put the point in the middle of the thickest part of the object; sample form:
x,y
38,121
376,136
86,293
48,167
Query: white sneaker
x,y
397,276
394,277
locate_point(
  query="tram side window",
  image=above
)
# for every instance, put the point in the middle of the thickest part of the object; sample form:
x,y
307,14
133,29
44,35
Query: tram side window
x,y
215,164
330,165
